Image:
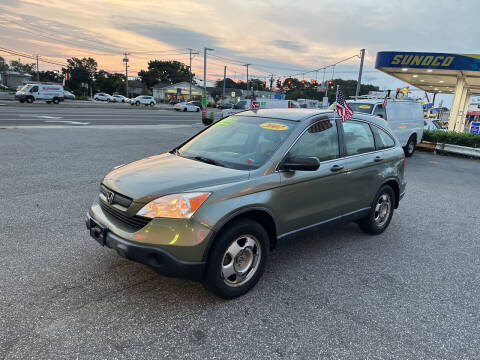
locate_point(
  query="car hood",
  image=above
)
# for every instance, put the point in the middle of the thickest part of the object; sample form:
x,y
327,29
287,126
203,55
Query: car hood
x,y
146,179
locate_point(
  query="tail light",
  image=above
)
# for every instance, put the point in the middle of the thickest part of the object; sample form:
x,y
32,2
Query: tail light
x,y
404,160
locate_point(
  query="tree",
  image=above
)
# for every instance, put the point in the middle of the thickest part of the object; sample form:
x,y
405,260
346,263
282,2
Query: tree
x,y
169,72
81,71
17,65
3,64
50,76
108,82
229,83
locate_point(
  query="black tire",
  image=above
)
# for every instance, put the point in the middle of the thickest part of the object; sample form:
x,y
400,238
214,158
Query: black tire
x,y
410,147
151,104
49,102
213,279
185,109
370,224
29,99
21,101
137,103
56,101
198,109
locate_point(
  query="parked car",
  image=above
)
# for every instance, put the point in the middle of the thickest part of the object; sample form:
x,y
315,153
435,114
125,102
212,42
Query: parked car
x,y
225,106
102,97
432,124
51,93
67,95
186,106
118,98
143,100
404,116
213,207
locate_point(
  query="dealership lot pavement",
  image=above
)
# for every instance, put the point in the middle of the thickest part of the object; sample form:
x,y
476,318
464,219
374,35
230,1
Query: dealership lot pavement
x,y
410,293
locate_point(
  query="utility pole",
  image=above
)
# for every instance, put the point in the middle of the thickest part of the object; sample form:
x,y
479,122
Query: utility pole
x,y
38,74
125,60
204,95
362,56
191,79
224,78
247,65
271,86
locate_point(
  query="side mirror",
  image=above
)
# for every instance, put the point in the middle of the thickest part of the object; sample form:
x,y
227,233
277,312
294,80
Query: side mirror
x,y
301,163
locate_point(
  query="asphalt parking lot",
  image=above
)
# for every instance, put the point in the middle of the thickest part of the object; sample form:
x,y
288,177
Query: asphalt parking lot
x,y
411,293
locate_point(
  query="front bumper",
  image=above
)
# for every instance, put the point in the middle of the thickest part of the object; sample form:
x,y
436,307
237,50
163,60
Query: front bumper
x,y
158,259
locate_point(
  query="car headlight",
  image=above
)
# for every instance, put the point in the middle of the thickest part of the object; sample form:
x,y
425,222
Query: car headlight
x,y
175,206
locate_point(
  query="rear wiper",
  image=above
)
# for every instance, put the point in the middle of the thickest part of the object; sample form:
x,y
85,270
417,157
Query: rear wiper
x,y
207,160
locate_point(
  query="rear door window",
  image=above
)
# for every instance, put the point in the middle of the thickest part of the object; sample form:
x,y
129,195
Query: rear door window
x,y
380,111
358,137
320,141
383,140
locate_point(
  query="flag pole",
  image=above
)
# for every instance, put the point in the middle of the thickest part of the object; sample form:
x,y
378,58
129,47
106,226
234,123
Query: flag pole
x,y
335,106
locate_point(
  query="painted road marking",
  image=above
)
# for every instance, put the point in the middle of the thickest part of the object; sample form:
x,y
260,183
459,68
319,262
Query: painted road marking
x,y
67,122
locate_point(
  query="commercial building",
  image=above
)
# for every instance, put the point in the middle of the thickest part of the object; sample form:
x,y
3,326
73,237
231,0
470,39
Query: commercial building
x,y
457,74
14,79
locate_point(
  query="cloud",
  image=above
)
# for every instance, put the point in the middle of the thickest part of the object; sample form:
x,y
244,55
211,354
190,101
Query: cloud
x,y
289,45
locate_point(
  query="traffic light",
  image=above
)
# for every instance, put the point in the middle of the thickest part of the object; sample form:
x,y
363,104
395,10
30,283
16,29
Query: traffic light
x,y
315,85
289,83
279,84
303,83
264,84
331,85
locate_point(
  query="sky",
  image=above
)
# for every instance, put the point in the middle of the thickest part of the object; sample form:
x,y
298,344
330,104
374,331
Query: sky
x,y
276,37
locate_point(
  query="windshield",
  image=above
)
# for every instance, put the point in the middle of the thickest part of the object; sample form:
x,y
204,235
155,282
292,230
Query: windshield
x,y
238,142
361,107
25,87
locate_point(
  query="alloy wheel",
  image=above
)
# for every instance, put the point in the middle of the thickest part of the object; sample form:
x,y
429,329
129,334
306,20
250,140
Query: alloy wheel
x,y
241,260
383,208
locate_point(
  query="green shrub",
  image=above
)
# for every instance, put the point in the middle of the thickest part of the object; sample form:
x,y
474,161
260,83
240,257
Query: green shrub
x,y
453,138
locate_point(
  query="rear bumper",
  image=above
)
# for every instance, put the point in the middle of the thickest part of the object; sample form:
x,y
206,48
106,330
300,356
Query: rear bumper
x,y
159,260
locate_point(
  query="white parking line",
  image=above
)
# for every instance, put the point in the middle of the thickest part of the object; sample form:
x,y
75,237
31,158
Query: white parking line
x,y
67,122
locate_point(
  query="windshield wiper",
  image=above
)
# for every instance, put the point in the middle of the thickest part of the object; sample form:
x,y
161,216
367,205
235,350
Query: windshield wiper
x,y
207,160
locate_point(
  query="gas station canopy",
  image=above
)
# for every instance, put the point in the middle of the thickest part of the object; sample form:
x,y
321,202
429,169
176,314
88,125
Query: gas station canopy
x,y
457,74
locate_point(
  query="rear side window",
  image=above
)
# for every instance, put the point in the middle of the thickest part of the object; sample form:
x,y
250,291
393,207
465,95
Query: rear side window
x,y
320,141
380,111
384,141
358,137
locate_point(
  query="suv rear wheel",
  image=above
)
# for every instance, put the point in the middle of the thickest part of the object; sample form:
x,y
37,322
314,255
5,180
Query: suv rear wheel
x,y
381,212
237,260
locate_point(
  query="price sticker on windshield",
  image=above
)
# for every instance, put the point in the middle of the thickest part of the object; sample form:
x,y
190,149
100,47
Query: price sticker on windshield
x,y
274,126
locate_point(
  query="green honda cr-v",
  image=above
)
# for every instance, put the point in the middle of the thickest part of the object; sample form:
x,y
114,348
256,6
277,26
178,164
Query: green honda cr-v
x,y
213,208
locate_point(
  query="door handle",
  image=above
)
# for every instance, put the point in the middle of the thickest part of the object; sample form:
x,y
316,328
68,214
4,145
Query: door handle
x,y
378,158
335,168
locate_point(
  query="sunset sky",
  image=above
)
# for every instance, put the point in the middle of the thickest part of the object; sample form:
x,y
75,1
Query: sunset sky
x,y
279,37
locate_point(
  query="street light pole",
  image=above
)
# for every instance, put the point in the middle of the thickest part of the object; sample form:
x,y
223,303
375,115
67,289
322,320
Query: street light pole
x,y
224,78
247,65
38,74
204,97
190,89
125,60
362,56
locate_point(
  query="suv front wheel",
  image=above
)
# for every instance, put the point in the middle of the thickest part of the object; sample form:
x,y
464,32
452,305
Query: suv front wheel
x,y
381,212
237,260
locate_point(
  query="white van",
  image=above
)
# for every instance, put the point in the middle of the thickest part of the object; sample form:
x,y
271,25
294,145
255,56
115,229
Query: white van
x,y
405,117
263,104
51,93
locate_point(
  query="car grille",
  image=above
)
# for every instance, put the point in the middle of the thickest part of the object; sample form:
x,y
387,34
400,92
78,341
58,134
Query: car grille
x,y
117,198
136,222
